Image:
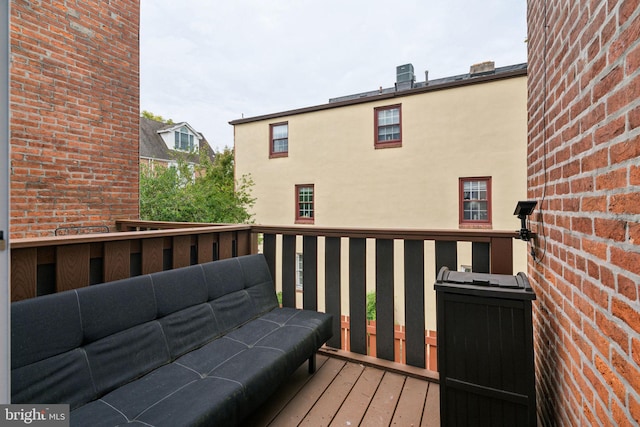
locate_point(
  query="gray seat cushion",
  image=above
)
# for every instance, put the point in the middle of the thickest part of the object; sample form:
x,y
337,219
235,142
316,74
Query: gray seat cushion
x,y
245,366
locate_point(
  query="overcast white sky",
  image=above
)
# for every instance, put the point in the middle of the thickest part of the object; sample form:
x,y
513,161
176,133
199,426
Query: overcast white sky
x,y
208,62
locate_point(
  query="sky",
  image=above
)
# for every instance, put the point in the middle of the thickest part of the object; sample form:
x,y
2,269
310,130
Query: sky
x,y
209,62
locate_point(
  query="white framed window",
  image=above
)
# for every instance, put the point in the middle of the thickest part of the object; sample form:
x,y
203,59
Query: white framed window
x,y
183,139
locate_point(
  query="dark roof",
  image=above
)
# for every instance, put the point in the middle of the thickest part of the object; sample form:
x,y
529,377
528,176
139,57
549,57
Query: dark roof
x,y
499,73
152,145
464,78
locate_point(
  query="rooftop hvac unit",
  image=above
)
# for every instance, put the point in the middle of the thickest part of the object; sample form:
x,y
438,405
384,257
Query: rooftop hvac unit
x,y
404,74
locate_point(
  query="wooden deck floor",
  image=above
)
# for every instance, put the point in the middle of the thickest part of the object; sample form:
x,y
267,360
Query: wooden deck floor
x,y
348,393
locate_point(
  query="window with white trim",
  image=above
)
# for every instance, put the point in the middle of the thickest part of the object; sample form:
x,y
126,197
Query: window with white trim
x,y
183,139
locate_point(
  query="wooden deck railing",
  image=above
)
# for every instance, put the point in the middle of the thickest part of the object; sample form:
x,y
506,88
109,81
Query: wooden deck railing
x,y
492,252
399,342
45,265
41,266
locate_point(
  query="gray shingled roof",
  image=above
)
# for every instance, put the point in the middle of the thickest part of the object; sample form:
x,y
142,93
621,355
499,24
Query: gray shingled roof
x,y
152,145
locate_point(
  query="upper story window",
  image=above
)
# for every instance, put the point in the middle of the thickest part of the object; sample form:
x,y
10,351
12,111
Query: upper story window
x,y
388,126
305,210
475,201
279,140
183,139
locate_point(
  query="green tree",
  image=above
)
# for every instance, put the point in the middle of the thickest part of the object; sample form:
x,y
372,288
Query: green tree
x,y
204,192
371,306
157,118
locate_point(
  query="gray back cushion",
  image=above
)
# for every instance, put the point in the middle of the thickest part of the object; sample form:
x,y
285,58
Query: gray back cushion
x,y
178,289
110,308
258,283
186,318
117,359
239,289
44,327
48,364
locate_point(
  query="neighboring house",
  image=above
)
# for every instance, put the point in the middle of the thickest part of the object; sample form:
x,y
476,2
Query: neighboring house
x,y
162,143
441,154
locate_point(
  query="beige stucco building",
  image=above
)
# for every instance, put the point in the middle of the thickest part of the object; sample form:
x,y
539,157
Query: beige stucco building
x,y
441,154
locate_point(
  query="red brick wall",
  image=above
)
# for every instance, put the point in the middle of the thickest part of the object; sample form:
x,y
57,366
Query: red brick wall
x,y
74,114
584,161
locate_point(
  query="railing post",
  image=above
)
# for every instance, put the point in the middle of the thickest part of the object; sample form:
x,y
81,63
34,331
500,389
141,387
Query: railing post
x,y
243,242
72,266
205,248
225,245
269,250
384,299
288,270
333,305
414,302
117,260
501,255
24,273
181,251
310,272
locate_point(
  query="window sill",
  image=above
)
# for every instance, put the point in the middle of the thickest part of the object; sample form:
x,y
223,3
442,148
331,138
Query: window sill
x,y
278,155
476,226
304,221
389,144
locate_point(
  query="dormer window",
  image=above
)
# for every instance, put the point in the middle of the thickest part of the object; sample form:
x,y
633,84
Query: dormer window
x,y
184,139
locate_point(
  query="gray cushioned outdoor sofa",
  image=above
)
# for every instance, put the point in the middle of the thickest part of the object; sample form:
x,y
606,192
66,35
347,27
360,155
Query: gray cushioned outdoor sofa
x,y
201,345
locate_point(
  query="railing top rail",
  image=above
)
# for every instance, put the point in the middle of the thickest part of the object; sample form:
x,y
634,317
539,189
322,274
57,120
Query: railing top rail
x,y
125,235
174,229
166,224
388,233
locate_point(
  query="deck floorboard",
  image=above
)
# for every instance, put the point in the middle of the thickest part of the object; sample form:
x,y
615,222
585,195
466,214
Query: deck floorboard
x,y
358,401
385,400
411,404
348,393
